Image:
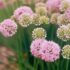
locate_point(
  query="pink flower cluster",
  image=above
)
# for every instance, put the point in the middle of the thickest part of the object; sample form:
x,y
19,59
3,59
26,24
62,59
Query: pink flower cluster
x,y
48,51
22,10
67,14
2,4
53,6
8,28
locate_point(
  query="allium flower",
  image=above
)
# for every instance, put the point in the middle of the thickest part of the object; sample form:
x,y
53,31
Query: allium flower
x,y
2,4
54,17
65,4
8,28
22,10
62,20
38,20
63,33
41,10
50,51
36,47
25,20
43,20
39,33
35,19
67,14
66,52
67,33
53,6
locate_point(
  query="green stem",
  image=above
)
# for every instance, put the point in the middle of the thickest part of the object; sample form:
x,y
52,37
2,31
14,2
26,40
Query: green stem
x,y
19,50
53,66
35,64
57,64
48,66
25,40
67,64
42,65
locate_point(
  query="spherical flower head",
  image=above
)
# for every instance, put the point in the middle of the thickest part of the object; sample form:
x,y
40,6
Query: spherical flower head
x,y
35,19
40,4
53,6
63,33
62,20
50,51
21,10
36,46
25,20
8,28
39,33
67,33
2,4
54,17
67,14
66,52
41,10
65,4
43,20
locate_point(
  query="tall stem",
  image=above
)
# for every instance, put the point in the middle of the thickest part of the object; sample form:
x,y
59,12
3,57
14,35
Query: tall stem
x,y
42,65
67,64
48,66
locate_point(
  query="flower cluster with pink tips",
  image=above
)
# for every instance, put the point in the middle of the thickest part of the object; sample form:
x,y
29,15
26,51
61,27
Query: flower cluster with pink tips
x,y
53,6
22,10
48,51
8,28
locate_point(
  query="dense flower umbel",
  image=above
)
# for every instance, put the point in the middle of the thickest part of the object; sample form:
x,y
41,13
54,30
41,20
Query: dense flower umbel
x,y
65,4
25,20
54,17
53,6
8,28
39,33
67,14
66,52
67,33
22,10
63,33
2,4
35,19
43,20
39,20
36,47
41,10
48,51
62,20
